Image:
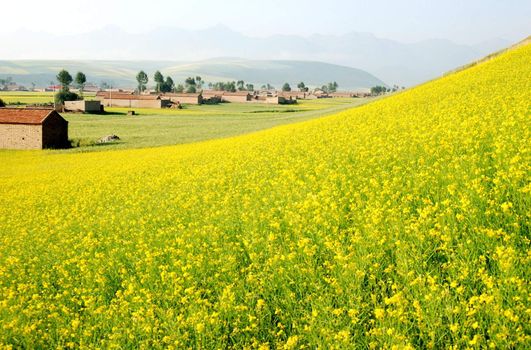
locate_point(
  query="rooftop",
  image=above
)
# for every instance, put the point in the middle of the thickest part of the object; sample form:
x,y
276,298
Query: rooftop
x,y
24,115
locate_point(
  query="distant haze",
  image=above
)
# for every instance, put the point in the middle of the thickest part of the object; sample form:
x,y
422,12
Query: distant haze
x,y
462,21
391,61
399,42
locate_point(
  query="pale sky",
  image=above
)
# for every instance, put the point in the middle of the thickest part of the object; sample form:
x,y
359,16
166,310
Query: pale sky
x,y
462,21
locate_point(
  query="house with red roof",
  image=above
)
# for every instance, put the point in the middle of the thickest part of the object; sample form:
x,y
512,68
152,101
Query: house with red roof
x,y
32,128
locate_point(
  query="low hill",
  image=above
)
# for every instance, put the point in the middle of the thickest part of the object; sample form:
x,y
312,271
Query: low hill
x,y
392,61
401,224
123,73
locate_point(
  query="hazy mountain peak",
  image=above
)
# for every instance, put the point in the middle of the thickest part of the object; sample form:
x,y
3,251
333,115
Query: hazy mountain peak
x,y
392,61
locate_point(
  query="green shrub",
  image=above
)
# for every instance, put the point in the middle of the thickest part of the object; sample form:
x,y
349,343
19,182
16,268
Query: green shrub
x,y
63,96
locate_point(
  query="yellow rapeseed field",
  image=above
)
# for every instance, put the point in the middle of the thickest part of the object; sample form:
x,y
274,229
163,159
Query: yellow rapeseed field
x,y
400,224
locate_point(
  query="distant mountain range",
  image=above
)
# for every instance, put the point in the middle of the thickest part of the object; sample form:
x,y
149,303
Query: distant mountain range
x,y
123,73
391,61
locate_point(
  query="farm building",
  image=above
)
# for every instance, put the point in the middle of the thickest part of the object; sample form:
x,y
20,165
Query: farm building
x,y
238,96
84,106
120,99
280,100
193,99
25,128
227,96
294,95
212,96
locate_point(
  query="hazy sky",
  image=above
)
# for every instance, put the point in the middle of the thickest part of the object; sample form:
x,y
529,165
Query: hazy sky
x,y
463,21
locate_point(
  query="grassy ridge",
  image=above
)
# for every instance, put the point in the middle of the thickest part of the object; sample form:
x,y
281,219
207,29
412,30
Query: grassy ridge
x,y
400,223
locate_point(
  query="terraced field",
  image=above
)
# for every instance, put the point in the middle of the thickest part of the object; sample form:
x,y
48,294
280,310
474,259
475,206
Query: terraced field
x,y
403,223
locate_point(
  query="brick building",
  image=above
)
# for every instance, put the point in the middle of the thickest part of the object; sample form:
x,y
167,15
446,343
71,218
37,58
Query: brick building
x,y
120,99
187,98
25,128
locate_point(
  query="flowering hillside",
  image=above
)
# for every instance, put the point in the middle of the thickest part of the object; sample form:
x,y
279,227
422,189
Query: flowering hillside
x,y
402,223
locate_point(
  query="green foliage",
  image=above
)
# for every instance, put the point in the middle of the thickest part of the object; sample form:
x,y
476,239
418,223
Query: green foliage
x,y
65,79
378,90
159,80
168,85
302,87
142,80
225,86
198,82
65,95
286,87
179,88
191,85
80,80
2,103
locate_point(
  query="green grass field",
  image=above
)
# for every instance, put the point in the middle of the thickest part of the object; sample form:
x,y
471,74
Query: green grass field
x,y
158,127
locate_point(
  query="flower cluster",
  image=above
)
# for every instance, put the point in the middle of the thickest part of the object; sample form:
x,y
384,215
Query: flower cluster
x,y
400,224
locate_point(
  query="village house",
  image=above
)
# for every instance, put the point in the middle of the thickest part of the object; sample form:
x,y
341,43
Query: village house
x,y
26,128
83,106
280,100
187,98
120,99
228,96
212,96
238,96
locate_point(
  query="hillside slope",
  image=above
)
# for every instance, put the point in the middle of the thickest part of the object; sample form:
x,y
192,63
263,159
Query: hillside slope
x,y
400,223
123,73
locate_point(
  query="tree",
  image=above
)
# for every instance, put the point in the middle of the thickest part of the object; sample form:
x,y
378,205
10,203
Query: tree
x,y
5,82
378,90
286,87
241,85
302,87
159,80
2,103
230,86
179,88
80,81
190,85
142,80
65,79
249,87
65,95
198,82
168,85
332,87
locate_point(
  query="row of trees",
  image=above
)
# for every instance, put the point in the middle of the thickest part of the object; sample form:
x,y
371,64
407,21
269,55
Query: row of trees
x,y
330,87
380,89
191,84
195,84
65,80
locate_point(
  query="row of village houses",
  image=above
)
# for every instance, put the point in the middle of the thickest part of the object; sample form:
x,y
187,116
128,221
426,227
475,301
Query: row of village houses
x,y
131,100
